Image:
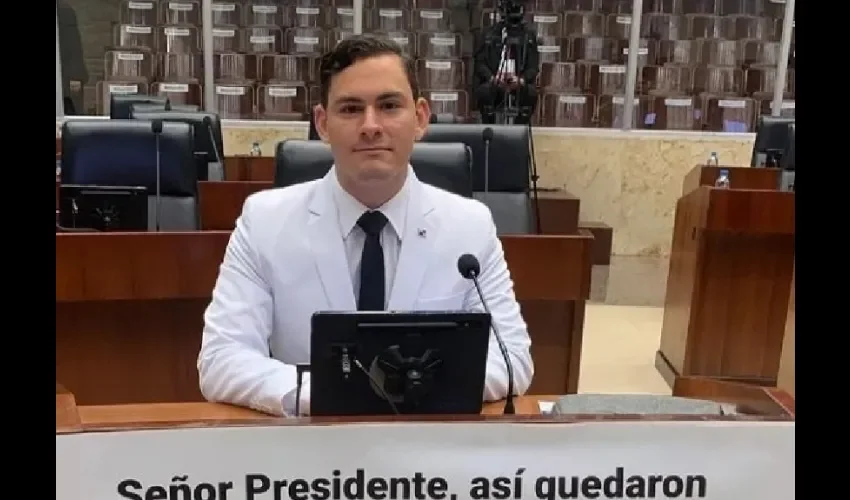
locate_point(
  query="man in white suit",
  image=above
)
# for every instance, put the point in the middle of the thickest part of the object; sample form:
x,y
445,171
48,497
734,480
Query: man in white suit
x,y
368,236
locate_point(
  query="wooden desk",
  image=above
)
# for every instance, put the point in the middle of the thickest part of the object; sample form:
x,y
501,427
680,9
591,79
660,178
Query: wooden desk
x,y
129,310
750,400
739,177
110,415
787,372
559,212
728,285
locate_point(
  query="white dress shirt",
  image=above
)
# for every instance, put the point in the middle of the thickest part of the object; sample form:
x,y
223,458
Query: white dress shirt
x,y
349,211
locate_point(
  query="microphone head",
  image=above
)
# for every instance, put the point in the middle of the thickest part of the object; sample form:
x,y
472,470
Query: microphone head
x,y
468,266
156,126
487,134
207,121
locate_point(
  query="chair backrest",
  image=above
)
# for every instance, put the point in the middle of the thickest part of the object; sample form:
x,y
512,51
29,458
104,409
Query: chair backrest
x,y
512,212
771,135
124,153
208,140
446,166
509,157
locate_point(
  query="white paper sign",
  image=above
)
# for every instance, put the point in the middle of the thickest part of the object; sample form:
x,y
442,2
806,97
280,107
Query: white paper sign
x,y
451,461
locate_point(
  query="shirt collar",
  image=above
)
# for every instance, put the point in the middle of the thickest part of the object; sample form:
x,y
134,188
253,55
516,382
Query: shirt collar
x,y
349,209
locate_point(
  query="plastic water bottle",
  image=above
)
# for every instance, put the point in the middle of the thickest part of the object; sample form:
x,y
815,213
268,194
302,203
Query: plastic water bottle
x,y
255,149
713,159
722,181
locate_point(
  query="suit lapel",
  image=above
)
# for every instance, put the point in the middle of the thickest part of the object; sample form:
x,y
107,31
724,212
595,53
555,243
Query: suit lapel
x,y
414,259
329,249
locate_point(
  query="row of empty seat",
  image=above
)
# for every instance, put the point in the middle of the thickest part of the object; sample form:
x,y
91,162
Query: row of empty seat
x,y
266,53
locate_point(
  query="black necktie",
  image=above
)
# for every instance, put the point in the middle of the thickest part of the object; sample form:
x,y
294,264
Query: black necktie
x,y
372,281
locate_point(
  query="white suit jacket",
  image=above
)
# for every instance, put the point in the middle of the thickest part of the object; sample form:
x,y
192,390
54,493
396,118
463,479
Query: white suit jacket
x,y
285,261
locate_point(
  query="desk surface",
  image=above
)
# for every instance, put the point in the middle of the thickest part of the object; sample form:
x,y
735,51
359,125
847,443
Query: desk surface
x,y
207,412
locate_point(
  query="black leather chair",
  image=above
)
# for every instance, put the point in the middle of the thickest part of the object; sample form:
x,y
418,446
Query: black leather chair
x,y
789,162
510,159
121,105
206,157
771,137
506,191
124,152
446,166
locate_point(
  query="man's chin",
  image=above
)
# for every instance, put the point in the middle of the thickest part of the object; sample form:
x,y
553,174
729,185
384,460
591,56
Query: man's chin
x,y
376,171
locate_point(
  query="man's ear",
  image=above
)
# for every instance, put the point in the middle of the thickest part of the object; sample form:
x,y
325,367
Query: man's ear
x,y
423,117
320,119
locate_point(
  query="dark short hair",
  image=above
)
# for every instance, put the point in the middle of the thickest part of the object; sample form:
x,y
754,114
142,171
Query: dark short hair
x,y
356,48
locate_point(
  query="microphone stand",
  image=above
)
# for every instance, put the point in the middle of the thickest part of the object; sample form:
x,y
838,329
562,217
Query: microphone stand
x,y
509,400
535,194
488,137
299,384
509,106
208,124
470,268
156,128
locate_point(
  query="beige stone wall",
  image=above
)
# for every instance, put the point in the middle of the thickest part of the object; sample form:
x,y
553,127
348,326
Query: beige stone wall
x,y
628,180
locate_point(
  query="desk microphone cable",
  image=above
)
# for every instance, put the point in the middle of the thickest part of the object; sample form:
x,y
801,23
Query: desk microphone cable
x,y
300,370
376,385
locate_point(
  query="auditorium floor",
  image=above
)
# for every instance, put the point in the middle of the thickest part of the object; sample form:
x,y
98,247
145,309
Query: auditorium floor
x,y
630,281
618,352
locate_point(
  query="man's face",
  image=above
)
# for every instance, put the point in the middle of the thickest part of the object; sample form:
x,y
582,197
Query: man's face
x,y
372,121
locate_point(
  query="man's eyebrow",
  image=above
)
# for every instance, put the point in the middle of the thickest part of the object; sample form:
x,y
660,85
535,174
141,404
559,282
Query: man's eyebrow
x,y
356,100
390,95
347,100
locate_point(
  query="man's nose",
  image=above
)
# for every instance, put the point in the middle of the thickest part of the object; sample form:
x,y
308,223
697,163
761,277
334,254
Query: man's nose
x,y
371,126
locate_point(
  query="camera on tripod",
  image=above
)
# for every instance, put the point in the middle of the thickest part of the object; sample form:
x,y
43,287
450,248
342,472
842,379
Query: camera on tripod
x,y
512,12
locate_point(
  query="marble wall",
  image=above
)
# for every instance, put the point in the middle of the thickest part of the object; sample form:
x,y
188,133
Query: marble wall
x,y
629,180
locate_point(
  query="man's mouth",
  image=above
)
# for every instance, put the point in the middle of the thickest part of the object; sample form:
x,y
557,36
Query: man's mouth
x,y
371,150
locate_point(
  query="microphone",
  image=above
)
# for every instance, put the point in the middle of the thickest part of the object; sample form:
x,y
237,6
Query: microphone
x,y
156,128
487,134
299,384
208,123
470,269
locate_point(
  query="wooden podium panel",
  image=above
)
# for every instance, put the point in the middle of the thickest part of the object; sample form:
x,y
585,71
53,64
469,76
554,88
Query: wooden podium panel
x,y
129,310
728,285
787,371
220,203
249,168
739,177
